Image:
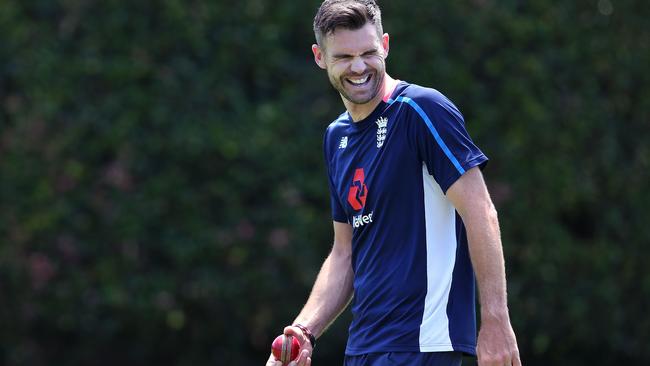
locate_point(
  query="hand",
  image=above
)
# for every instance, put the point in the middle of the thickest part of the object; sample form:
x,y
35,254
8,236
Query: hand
x,y
302,360
304,357
272,361
497,344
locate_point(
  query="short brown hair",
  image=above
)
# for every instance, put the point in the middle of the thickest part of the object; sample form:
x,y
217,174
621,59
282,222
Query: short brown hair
x,y
346,14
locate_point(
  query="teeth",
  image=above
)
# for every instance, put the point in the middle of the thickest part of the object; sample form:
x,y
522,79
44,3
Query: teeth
x,y
359,81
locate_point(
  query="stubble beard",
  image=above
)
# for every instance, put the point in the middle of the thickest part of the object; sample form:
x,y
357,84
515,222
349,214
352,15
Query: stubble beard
x,y
377,80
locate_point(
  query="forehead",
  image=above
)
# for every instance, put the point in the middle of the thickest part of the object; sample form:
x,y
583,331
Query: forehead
x,y
348,41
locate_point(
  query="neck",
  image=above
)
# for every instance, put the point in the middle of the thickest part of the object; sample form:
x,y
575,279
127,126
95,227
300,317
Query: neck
x,y
361,111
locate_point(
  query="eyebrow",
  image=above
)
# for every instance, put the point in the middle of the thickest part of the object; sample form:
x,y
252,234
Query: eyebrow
x,y
343,55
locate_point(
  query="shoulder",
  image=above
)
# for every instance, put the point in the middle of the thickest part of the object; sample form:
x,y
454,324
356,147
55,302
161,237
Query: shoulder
x,y
338,126
334,131
341,122
430,105
426,97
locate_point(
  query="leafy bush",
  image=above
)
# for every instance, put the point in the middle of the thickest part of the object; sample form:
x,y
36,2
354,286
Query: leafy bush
x,y
163,197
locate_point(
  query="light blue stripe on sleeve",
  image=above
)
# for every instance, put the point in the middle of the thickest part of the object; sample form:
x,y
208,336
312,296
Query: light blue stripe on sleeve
x,y
433,130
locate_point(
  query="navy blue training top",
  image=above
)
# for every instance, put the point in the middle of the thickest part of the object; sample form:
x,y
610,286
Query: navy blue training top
x,y
414,285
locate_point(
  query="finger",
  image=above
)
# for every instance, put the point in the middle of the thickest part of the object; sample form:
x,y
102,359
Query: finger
x,y
303,357
295,362
308,363
503,360
273,362
490,361
516,361
295,332
291,330
301,360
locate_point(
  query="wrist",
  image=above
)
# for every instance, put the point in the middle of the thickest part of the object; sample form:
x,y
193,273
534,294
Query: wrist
x,y
495,314
307,333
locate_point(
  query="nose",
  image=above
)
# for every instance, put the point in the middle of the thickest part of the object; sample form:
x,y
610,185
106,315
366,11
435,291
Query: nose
x,y
358,65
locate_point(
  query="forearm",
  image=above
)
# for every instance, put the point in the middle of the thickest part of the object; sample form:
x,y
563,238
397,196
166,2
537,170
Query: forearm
x,y
331,293
497,344
472,200
486,253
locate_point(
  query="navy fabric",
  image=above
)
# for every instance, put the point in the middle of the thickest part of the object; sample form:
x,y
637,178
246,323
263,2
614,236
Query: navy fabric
x,y
382,172
406,359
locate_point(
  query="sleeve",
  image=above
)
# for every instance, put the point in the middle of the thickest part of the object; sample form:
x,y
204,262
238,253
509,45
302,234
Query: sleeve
x,y
338,214
442,142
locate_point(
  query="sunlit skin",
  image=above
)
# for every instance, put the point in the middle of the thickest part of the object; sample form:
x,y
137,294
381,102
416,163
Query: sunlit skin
x,y
355,61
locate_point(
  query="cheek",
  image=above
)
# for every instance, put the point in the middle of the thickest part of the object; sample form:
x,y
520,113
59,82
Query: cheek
x,y
378,62
337,69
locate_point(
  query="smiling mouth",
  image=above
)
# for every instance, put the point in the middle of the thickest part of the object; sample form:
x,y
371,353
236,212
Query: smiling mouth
x,y
359,81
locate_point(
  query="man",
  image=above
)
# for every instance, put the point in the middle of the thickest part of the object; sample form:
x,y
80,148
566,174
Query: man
x,y
413,221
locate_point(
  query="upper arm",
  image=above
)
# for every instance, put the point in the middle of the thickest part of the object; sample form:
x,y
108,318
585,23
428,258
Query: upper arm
x,y
470,196
342,238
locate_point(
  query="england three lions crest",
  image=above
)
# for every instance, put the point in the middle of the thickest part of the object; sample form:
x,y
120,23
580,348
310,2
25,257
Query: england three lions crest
x,y
382,128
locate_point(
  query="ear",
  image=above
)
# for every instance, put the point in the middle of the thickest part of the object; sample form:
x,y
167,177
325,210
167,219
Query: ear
x,y
385,44
319,56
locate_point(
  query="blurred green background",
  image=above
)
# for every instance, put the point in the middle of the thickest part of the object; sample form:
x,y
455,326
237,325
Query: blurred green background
x,y
163,198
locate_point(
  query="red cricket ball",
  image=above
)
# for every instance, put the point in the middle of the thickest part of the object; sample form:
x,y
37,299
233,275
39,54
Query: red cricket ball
x,y
285,348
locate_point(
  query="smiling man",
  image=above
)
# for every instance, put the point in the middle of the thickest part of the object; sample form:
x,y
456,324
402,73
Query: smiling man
x,y
414,225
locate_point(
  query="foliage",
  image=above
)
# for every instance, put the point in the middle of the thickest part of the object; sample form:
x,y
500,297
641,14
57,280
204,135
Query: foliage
x,y
163,196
